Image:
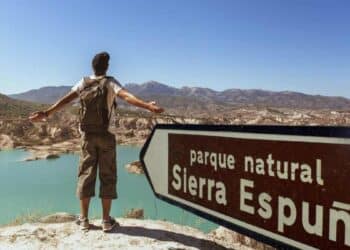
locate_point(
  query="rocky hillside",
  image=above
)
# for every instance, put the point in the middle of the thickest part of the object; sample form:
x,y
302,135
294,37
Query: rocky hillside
x,y
60,133
134,128
205,99
10,108
45,95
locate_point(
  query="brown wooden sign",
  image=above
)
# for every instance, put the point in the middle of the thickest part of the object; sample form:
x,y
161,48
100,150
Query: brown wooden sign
x,y
287,186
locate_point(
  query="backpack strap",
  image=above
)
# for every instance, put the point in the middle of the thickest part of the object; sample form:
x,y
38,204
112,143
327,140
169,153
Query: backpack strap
x,y
88,82
104,81
114,105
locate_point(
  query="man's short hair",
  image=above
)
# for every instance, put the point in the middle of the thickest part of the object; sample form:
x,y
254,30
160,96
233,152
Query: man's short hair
x,y
100,62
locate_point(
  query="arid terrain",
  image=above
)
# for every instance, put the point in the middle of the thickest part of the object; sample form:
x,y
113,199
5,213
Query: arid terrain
x,y
60,133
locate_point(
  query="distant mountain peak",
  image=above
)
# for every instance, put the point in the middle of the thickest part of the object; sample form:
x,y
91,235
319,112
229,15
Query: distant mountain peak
x,y
152,82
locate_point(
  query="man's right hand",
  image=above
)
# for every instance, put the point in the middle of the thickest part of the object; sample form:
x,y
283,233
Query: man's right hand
x,y
38,116
154,108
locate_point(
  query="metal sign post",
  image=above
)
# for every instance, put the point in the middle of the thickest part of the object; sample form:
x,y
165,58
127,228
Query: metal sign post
x,y
283,185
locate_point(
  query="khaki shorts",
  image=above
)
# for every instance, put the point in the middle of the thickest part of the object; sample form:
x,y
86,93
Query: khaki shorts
x,y
97,151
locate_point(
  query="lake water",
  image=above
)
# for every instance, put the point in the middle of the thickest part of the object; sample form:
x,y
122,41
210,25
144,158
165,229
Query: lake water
x,y
47,186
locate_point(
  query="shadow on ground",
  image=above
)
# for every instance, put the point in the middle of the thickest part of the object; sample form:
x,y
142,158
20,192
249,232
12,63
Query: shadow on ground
x,y
164,235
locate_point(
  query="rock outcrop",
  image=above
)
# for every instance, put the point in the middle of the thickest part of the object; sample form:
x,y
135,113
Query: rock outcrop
x,y
58,218
129,234
54,150
6,142
135,213
134,167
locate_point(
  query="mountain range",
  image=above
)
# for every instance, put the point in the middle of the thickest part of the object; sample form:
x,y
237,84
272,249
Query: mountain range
x,y
199,97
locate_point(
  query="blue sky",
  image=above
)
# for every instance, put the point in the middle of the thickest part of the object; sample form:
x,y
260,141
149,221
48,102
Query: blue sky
x,y
298,45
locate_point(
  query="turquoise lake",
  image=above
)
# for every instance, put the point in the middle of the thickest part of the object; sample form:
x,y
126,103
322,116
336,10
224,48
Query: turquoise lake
x,y
47,186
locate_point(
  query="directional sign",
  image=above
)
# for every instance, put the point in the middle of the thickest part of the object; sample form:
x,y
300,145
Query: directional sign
x,y
285,186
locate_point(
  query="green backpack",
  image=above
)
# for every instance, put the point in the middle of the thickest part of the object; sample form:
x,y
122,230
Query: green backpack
x,y
93,115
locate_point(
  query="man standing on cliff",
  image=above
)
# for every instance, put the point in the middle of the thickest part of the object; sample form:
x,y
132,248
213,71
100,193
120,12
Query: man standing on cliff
x,y
97,95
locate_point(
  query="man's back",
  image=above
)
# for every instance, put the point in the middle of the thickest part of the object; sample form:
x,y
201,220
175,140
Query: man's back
x,y
98,101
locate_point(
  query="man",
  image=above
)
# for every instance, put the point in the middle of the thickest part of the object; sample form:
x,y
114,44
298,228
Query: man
x,y
97,95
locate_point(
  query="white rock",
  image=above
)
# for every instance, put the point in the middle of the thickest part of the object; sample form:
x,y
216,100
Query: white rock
x,y
130,234
6,142
134,167
58,218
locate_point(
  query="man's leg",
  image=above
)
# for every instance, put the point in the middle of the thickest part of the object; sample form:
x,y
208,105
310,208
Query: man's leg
x,y
106,208
86,176
84,207
108,178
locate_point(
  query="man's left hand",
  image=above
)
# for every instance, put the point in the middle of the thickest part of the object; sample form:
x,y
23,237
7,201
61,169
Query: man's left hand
x,y
38,116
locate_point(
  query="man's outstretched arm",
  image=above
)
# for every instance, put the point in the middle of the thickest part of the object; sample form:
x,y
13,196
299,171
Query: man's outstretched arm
x,y
130,98
39,115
